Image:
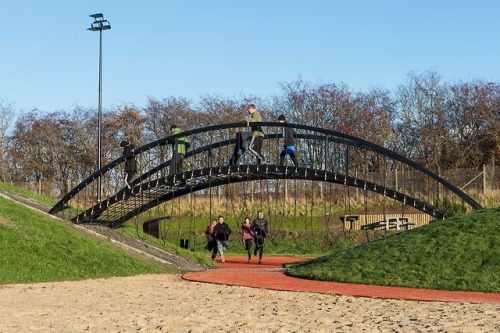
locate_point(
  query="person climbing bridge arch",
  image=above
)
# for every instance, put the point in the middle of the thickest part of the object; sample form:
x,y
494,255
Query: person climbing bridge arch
x,y
239,146
130,162
255,145
178,151
288,144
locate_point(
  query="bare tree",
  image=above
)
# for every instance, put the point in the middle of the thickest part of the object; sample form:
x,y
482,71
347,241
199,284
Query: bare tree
x,y
30,152
472,114
422,129
161,114
6,118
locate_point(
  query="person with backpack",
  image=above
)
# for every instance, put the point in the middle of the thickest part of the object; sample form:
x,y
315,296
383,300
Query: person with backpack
x,y
259,227
247,237
221,232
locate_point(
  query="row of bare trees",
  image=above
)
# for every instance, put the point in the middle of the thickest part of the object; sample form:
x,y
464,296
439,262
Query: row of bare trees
x,y
442,126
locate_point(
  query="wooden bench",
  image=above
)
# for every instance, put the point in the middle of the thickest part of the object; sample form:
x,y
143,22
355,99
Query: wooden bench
x,y
398,223
389,223
374,225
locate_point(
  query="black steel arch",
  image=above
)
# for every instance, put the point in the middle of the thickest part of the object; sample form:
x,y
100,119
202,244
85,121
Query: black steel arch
x,y
334,136
216,176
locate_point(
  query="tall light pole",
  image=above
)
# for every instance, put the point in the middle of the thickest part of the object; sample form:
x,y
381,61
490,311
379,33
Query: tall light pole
x,y
99,24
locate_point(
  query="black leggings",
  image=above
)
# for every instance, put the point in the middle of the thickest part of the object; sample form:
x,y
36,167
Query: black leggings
x,y
248,247
259,246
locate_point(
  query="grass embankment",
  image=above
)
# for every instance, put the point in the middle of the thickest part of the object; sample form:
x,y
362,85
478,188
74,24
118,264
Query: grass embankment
x,y
35,248
49,202
459,253
195,256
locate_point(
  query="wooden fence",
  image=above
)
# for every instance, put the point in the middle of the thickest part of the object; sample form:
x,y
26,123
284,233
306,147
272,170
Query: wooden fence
x,y
355,222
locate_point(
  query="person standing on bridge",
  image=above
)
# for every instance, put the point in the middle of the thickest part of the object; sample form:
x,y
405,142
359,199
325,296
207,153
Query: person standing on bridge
x,y
247,237
130,162
255,145
289,143
259,227
239,146
221,233
178,151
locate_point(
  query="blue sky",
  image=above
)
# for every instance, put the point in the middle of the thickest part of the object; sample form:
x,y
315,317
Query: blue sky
x,y
233,48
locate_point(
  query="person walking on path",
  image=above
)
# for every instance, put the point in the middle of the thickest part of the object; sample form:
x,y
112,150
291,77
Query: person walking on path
x,y
239,146
222,232
255,145
259,227
130,162
247,237
178,151
289,143
209,233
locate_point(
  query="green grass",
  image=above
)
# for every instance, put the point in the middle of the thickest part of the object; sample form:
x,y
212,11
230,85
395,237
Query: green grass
x,y
49,202
195,256
35,248
459,253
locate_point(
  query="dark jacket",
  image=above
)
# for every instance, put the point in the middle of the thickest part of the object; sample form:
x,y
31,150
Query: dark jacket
x,y
130,163
241,141
222,231
259,227
290,136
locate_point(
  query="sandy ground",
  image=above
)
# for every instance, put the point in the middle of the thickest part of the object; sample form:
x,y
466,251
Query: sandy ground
x,y
166,303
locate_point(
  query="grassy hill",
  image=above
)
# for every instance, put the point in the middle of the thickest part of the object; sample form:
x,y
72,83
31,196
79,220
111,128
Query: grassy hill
x,y
459,253
36,248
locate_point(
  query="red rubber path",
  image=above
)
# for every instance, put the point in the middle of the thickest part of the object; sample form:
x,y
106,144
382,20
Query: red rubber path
x,y
237,271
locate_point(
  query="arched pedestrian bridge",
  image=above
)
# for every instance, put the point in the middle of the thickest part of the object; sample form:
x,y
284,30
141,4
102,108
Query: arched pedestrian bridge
x,y
326,157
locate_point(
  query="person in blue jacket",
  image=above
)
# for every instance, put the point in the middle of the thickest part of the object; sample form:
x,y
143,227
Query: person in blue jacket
x,y
289,143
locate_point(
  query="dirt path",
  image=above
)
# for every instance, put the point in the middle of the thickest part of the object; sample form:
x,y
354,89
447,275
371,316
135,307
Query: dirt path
x,y
236,271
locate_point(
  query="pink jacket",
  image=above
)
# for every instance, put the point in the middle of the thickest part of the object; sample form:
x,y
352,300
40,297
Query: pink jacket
x,y
246,232
210,232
